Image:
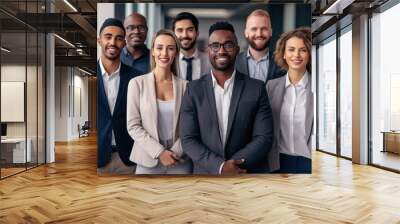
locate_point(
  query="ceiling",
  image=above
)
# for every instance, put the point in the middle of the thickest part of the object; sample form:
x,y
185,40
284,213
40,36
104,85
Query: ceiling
x,y
75,22
328,16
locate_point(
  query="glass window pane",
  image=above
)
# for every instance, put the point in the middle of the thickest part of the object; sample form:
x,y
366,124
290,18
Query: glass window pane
x,y
327,96
14,146
385,84
346,94
22,64
31,97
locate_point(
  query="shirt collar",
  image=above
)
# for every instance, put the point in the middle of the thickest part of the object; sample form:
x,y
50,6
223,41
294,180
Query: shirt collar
x,y
104,72
265,57
127,54
302,83
228,82
194,56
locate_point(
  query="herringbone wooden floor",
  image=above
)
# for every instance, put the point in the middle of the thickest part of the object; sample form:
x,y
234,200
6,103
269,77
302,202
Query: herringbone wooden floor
x,y
70,191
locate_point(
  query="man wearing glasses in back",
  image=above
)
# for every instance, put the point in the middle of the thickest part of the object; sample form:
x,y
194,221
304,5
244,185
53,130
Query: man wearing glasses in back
x,y
135,54
226,120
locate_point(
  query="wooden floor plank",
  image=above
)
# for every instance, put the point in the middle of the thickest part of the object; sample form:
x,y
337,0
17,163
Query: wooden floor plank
x,y
70,191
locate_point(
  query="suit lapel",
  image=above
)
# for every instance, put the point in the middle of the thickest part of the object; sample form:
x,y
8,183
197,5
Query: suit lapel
x,y
121,88
177,98
208,86
236,93
309,109
102,91
278,101
245,64
150,85
270,68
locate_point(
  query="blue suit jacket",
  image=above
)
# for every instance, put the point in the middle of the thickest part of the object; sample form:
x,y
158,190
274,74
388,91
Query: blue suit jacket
x,y
106,122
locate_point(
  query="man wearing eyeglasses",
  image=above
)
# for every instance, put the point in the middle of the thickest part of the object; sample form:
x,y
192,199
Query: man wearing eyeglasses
x,y
226,119
135,54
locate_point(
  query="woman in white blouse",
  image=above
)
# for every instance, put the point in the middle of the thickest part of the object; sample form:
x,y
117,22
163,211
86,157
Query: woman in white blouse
x,y
291,101
153,104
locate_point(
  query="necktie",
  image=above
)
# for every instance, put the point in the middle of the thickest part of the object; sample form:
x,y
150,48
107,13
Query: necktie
x,y
189,68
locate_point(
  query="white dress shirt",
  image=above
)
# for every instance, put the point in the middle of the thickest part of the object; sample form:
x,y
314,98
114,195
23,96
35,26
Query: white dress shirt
x,y
258,69
223,101
165,122
292,119
111,87
196,65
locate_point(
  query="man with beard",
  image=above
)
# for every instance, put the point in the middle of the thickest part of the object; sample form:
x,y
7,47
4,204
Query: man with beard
x,y
226,119
258,60
192,62
136,54
114,145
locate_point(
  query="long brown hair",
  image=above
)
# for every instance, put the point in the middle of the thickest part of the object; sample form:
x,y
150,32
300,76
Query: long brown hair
x,y
303,33
175,64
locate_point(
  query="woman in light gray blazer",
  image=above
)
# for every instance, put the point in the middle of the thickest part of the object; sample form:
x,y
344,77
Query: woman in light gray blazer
x,y
291,101
153,104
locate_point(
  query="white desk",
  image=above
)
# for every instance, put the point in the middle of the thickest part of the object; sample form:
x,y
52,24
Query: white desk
x,y
17,146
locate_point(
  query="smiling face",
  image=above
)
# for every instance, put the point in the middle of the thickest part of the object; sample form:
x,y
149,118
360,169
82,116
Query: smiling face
x,y
136,30
222,58
296,54
164,51
111,41
258,32
186,33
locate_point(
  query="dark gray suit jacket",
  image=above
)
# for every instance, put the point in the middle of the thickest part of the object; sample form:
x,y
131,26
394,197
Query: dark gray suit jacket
x,y
249,134
273,70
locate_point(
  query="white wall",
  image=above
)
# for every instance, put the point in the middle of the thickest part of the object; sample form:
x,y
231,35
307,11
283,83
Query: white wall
x,y
61,103
70,84
17,73
79,117
14,72
33,126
